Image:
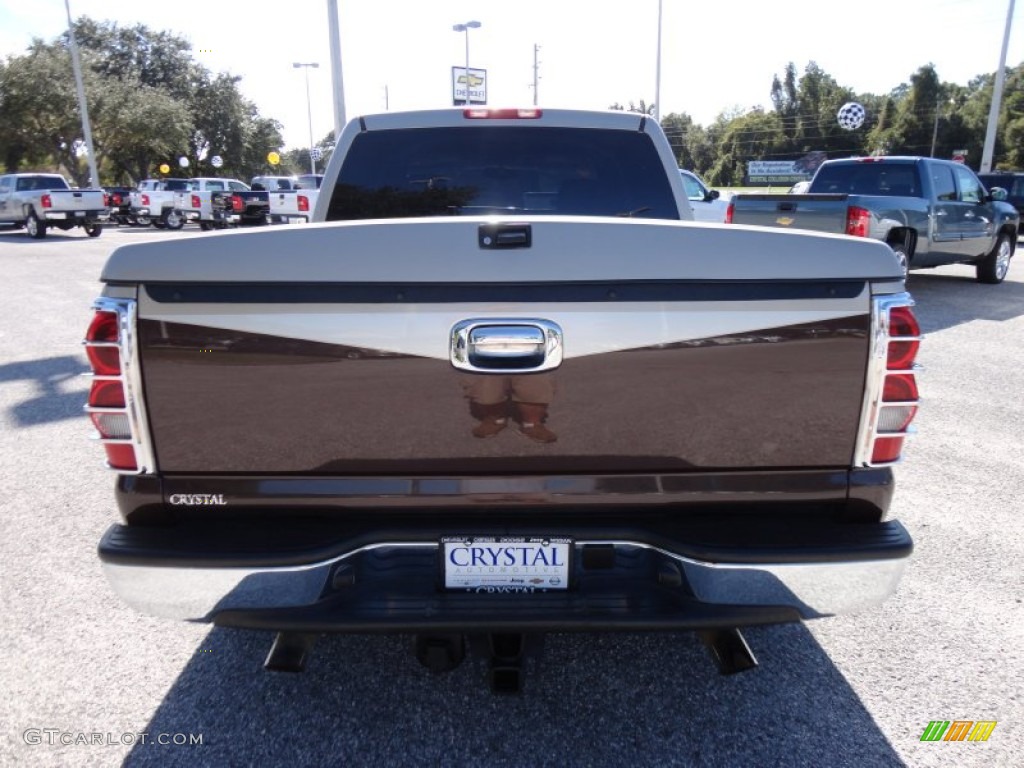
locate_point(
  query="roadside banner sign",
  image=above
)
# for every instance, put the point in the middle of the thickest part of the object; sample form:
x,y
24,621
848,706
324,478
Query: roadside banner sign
x,y
775,172
761,172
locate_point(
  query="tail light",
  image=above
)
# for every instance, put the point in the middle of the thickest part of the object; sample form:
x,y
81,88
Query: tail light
x,y
195,201
117,199
46,201
106,200
729,212
858,221
112,410
891,396
303,203
145,200
502,114
237,204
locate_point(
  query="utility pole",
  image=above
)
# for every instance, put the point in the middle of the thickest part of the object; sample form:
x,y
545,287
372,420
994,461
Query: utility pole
x,y
76,65
997,98
536,70
657,75
309,110
337,80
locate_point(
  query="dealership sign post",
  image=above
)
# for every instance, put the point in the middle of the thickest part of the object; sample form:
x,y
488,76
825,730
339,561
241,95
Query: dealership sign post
x,y
476,82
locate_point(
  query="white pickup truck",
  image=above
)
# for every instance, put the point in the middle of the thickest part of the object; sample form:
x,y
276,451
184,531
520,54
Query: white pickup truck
x,y
501,386
298,203
154,202
196,202
37,201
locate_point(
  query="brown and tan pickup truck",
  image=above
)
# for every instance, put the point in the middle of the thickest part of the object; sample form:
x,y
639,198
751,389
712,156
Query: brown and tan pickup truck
x,y
503,386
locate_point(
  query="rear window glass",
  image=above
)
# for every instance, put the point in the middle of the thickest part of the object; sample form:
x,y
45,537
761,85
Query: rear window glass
x,y
1014,185
30,183
887,179
502,169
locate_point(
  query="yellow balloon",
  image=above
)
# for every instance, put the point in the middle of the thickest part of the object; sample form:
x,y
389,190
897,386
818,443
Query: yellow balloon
x,y
165,168
273,158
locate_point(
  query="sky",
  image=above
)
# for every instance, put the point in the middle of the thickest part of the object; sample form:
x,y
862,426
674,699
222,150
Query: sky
x,y
717,57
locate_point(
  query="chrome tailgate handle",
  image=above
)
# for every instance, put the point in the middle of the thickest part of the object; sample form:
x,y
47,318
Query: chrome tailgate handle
x,y
506,346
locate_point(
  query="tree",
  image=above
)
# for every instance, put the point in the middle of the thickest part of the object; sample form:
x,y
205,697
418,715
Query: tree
x,y
913,125
149,103
41,118
641,108
752,136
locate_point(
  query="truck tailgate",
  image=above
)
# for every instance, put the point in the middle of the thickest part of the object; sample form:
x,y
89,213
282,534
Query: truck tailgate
x,y
335,349
70,200
816,212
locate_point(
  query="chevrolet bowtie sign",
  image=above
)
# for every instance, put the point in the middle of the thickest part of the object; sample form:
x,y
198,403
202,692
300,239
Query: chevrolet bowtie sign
x,y
477,85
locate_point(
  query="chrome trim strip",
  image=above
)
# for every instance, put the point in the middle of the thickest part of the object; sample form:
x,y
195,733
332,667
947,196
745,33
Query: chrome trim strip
x,y
813,589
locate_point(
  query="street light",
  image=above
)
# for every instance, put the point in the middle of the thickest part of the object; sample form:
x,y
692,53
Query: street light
x,y
465,28
309,110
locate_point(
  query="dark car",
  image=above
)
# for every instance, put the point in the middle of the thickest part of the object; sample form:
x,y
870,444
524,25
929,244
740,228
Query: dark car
x,y
1011,181
120,204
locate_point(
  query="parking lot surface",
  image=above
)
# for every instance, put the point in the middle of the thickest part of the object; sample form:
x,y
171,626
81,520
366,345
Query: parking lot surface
x,y
86,681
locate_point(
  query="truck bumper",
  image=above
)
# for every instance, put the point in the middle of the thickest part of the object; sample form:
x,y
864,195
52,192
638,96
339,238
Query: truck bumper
x,y
82,216
382,583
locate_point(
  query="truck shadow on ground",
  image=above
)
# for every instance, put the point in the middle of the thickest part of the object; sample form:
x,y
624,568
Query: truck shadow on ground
x,y
18,237
597,700
60,389
947,300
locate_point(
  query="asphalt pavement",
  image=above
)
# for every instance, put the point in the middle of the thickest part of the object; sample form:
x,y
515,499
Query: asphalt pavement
x,y
86,681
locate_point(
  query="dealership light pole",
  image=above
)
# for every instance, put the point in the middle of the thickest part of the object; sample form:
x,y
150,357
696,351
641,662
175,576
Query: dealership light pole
x,y
465,28
309,111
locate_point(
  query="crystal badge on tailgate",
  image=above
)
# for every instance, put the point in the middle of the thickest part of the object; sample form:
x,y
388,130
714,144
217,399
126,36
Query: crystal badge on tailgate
x,y
506,563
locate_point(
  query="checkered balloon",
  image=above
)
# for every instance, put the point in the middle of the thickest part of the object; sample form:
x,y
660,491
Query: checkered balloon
x,y
851,115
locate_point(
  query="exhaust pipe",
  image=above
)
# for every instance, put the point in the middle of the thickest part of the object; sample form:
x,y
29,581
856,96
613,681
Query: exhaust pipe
x,y
290,652
729,650
440,653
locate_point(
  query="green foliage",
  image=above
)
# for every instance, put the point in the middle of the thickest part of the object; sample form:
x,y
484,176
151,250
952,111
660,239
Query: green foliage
x,y
642,108
296,161
149,103
902,122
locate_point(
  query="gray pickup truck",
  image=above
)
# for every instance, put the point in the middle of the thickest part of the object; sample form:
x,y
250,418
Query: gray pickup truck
x,y
503,386
38,201
930,212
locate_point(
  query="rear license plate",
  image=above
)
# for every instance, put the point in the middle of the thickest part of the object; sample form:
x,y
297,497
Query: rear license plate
x,y
506,563
79,213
